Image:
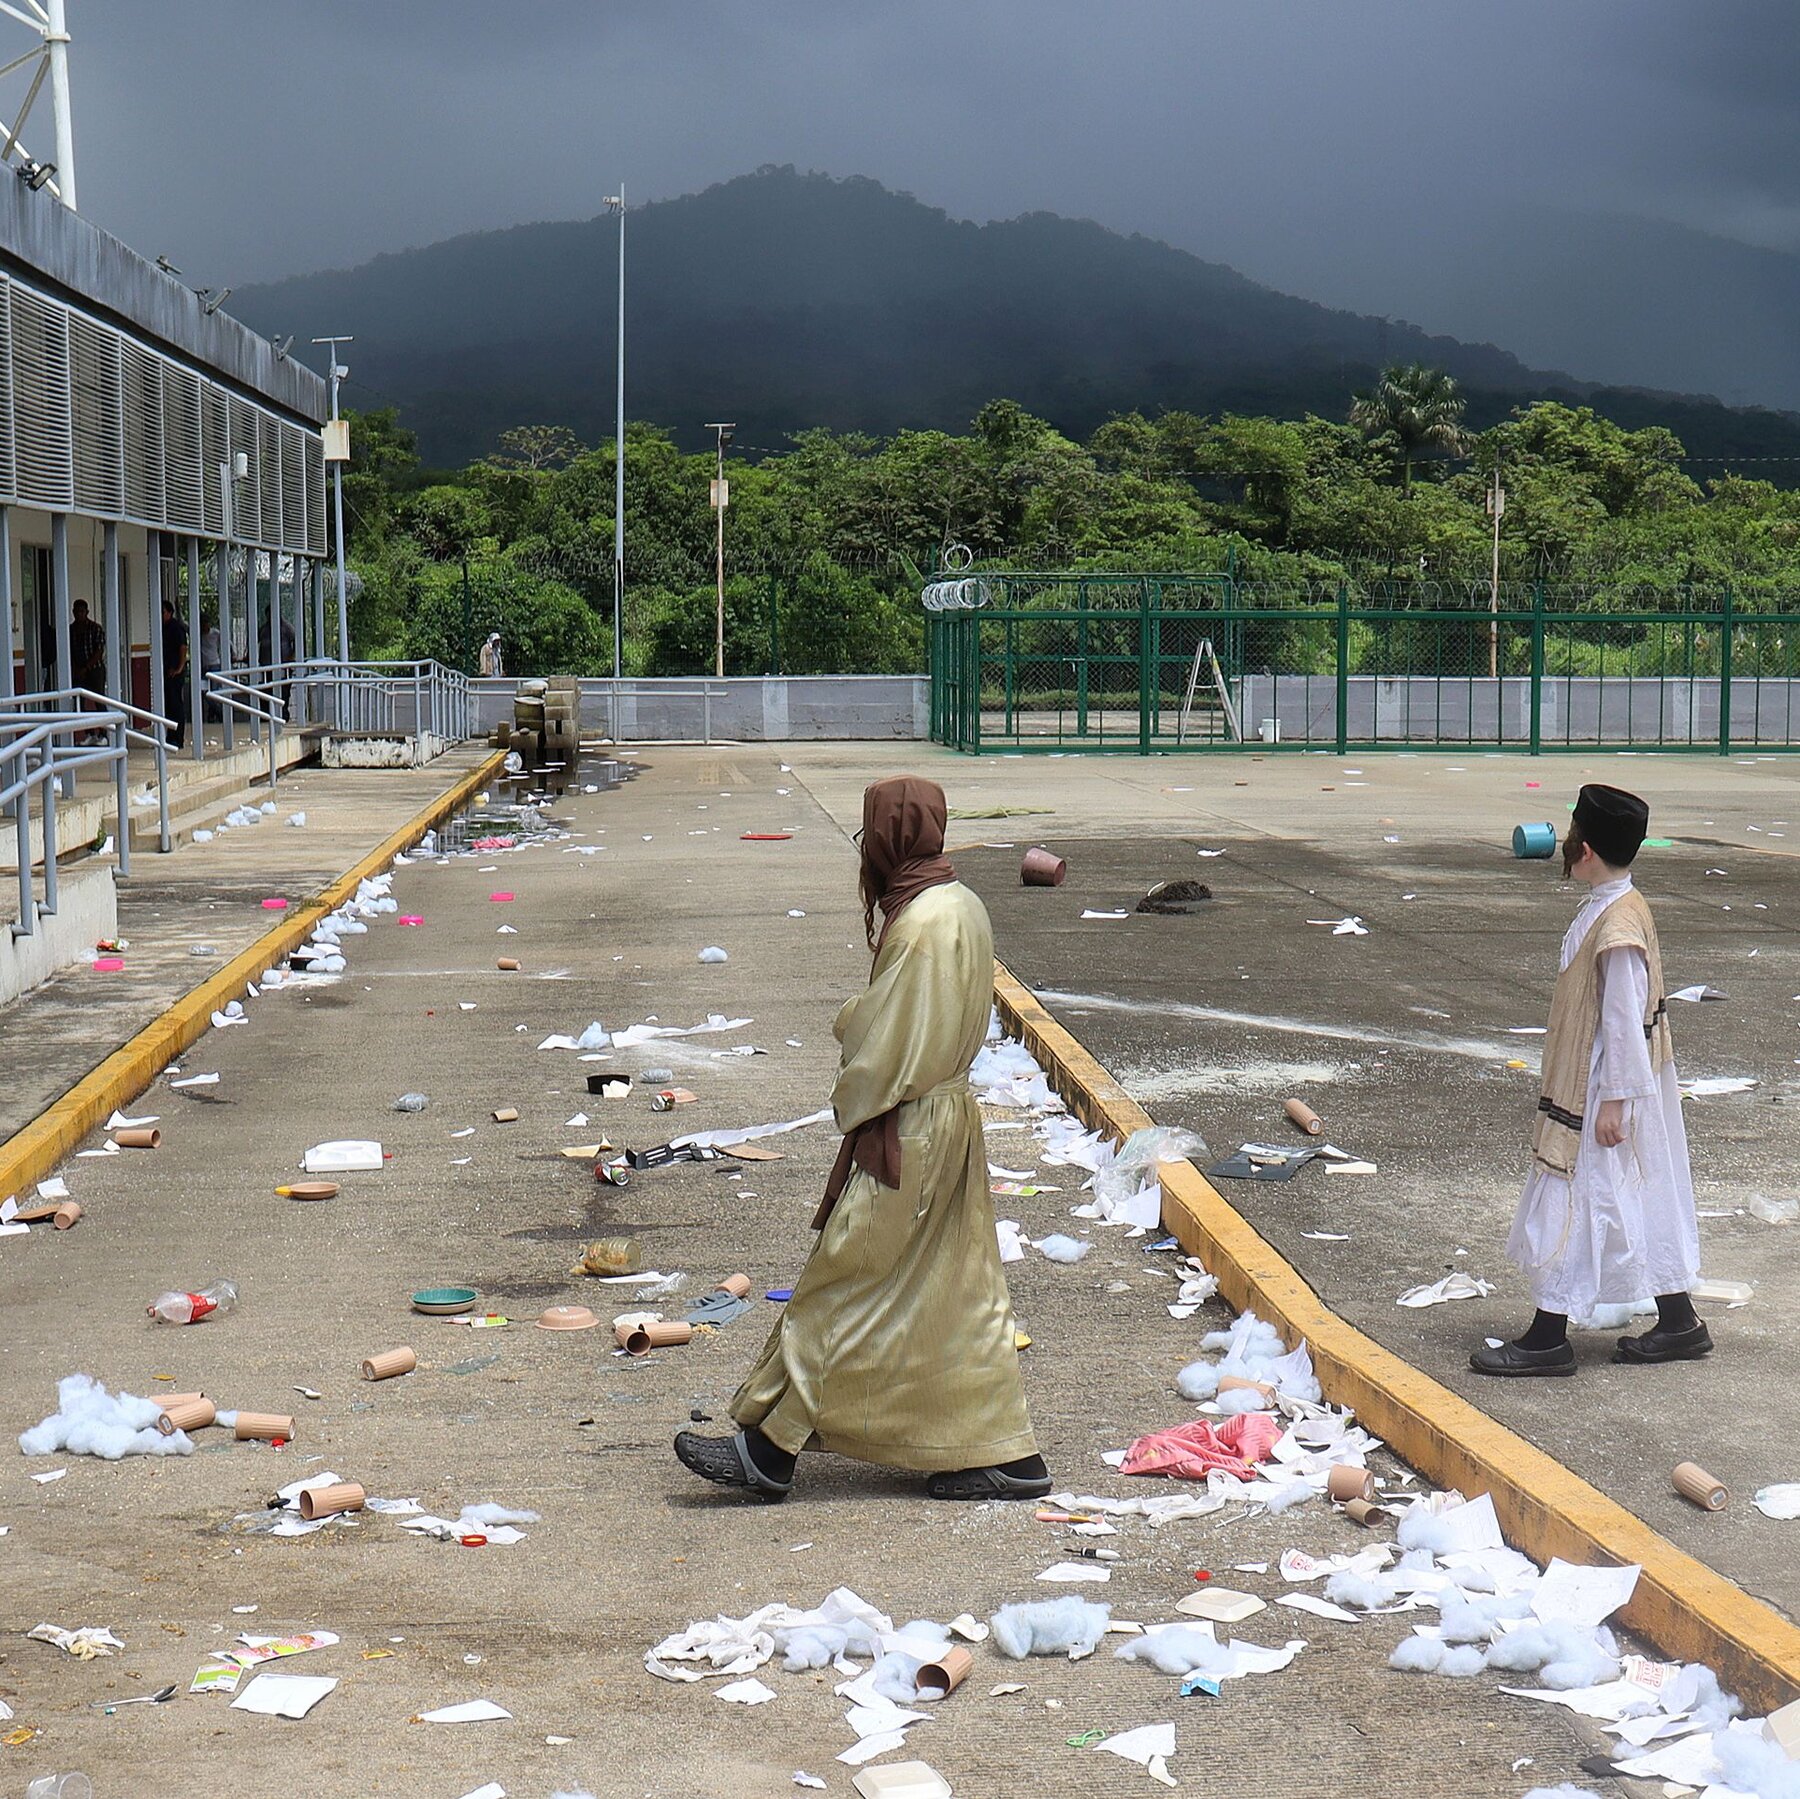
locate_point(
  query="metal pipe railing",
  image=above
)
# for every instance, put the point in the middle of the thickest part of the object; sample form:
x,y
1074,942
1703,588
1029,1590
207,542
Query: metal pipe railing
x,y
254,703
40,732
155,738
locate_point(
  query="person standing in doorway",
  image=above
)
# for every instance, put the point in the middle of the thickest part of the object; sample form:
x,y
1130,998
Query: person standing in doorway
x,y
175,673
212,659
1607,1215
87,657
493,664
898,1345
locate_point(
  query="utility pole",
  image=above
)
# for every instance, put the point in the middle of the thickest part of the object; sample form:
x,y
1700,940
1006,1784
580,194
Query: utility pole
x,y
1496,505
721,498
56,43
337,453
617,203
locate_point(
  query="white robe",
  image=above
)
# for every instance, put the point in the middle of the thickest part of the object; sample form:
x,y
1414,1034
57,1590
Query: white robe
x,y
1621,1228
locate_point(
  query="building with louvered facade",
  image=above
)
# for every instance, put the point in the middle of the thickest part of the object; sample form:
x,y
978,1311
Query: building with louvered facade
x,y
148,448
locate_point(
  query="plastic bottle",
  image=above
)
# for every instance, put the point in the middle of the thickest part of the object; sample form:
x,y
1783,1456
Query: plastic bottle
x,y
190,1308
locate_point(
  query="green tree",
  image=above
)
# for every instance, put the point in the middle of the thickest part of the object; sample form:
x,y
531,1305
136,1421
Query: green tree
x,y
1412,408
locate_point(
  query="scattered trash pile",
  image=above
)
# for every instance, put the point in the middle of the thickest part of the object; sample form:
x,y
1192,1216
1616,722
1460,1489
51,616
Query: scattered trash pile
x,y
1174,898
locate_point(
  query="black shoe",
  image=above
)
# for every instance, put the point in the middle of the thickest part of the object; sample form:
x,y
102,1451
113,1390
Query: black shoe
x,y
990,1483
1659,1345
727,1462
1509,1358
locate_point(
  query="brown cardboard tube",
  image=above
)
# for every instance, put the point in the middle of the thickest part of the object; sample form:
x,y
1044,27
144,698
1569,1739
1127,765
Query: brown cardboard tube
x,y
67,1214
508,964
506,1114
1699,1488
263,1424
327,1502
1364,1511
389,1363
1237,1383
945,1675
640,1339
1343,1484
1042,868
169,1399
1301,1114
737,1285
138,1137
190,1412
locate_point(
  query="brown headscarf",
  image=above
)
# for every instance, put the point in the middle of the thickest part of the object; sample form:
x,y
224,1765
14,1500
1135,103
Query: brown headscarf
x,y
902,848
902,856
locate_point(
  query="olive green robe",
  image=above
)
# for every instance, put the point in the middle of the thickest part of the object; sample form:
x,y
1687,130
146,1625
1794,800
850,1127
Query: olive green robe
x,y
897,1346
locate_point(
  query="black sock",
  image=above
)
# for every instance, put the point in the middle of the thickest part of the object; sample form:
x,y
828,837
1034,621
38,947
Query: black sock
x,y
1027,1467
776,1463
1675,1312
1549,1330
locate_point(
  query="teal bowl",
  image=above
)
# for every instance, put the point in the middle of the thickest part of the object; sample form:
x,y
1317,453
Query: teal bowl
x,y
445,1299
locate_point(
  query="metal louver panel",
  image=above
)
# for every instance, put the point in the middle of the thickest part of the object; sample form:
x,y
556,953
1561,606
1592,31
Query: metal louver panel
x,y
40,382
184,469
215,448
268,446
246,513
143,435
315,496
7,488
95,406
293,487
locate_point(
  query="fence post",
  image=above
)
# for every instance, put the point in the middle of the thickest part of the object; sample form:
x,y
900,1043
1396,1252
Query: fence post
x,y
1725,635
774,624
1081,662
1537,665
1144,667
1343,667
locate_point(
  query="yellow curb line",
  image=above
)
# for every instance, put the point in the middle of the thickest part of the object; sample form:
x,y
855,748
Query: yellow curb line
x,y
28,1156
1684,1607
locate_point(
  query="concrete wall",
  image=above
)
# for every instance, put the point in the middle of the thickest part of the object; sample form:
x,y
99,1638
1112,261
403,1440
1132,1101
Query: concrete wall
x,y
1577,709
759,709
87,909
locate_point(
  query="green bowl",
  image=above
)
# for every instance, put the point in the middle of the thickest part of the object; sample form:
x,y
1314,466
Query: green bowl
x,y
445,1299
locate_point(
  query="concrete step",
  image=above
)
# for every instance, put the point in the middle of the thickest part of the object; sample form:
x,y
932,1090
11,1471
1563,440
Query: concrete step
x,y
194,805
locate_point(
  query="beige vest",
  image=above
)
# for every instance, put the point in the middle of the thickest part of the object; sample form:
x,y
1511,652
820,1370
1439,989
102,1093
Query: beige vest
x,y
1575,1021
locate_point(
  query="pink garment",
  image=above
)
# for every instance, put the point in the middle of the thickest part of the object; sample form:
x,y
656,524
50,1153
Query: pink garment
x,y
1192,1451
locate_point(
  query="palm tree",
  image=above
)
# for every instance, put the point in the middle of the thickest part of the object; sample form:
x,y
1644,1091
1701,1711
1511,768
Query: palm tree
x,y
1414,407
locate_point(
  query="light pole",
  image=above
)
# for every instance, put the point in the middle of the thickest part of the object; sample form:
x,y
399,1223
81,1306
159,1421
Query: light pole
x,y
56,43
337,453
721,498
617,203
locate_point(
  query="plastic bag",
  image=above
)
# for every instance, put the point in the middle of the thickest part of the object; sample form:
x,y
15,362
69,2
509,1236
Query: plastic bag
x,y
1134,1162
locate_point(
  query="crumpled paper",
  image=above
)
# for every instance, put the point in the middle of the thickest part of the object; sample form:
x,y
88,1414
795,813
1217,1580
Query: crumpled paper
x,y
85,1644
741,1645
1452,1286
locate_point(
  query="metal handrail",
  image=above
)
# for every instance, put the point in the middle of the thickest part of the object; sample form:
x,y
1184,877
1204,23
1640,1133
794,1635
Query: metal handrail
x,y
41,734
253,702
364,692
156,739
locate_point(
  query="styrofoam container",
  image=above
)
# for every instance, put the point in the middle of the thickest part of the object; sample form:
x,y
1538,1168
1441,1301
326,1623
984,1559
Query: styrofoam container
x,y
348,1156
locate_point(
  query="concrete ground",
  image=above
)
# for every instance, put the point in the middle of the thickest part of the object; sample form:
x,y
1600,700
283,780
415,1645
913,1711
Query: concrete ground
x,y
629,1547
1401,1040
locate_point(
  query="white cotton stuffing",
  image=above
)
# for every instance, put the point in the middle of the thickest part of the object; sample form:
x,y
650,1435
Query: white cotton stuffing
x,y
1750,1763
1474,1620
1422,1529
1367,1592
1284,1499
1180,1649
1241,1399
1696,1689
818,1645
1048,1627
1429,1655
1562,1655
494,1514
90,1421
1198,1381
1058,1248
896,1675
1565,1791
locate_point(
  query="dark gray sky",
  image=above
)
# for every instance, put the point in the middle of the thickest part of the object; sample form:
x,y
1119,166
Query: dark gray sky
x,y
1351,152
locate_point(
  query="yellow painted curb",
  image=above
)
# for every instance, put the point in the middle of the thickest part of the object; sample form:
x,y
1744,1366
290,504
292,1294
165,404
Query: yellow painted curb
x,y
28,1156
1686,1608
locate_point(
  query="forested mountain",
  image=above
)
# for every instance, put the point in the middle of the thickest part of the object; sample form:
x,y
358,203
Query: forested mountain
x,y
786,301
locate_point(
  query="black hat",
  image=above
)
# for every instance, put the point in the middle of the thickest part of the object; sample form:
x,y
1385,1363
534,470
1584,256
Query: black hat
x,y
1612,822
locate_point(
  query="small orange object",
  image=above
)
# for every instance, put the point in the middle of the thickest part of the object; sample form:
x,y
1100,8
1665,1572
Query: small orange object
x,y
473,1541
1203,1574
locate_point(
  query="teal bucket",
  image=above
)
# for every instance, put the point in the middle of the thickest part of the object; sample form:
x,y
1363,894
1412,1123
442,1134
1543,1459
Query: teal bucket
x,y
1532,843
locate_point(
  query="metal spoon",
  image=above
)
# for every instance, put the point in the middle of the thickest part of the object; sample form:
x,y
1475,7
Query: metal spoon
x,y
155,1698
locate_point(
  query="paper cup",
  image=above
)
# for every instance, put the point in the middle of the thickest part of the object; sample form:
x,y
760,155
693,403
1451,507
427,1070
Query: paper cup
x,y
640,1339
1699,1488
327,1502
737,1285
1301,1114
1343,1484
138,1137
1041,868
389,1363
187,1411
263,1425
945,1675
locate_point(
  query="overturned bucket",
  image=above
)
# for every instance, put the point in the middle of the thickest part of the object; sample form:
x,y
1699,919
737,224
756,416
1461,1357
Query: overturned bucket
x,y
1533,843
1041,868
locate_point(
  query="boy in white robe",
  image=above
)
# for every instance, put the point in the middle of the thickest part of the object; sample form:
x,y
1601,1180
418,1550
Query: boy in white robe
x,y
1607,1215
